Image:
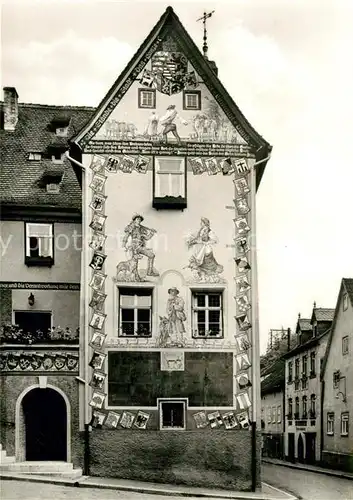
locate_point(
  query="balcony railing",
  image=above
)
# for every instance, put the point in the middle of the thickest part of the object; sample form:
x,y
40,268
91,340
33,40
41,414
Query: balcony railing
x,y
13,334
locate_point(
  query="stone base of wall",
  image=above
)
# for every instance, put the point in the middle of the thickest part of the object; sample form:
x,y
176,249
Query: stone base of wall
x,y
208,458
343,462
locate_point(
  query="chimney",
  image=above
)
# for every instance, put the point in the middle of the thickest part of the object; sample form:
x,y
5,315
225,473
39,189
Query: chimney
x,y
10,108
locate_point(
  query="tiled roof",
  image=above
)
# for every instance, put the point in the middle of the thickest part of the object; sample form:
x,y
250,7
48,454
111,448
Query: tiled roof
x,y
274,381
323,314
348,282
20,178
305,324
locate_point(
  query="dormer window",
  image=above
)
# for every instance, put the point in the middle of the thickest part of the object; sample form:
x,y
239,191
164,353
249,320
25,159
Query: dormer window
x,y
34,156
61,131
57,157
53,188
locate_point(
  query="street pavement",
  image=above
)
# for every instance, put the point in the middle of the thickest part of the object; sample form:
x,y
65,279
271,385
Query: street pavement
x,y
307,485
20,490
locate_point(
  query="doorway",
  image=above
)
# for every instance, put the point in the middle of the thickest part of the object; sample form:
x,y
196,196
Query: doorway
x,y
45,421
310,445
291,447
300,449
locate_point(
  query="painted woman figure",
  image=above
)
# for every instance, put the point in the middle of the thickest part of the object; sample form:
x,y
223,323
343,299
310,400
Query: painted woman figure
x,y
203,260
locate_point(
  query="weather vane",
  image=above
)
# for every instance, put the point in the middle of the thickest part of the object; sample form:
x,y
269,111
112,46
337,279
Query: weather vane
x,y
203,19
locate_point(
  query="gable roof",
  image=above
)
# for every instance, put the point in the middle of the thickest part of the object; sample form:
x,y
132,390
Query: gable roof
x,y
169,23
275,379
322,314
20,178
346,285
304,325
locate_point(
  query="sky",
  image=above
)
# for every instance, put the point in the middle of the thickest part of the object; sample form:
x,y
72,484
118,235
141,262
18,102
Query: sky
x,y
288,66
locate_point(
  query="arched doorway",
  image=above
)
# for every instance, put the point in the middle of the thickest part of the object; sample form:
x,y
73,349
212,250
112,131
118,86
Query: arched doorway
x,y
300,449
45,421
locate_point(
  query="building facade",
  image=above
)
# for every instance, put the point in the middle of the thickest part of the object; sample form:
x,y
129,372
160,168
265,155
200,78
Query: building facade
x,y
171,326
303,388
272,410
337,381
39,283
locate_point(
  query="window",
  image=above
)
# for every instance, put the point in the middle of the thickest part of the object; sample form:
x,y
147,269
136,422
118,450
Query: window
x,y
34,156
147,98
39,244
344,423
207,314
290,408
269,415
274,414
336,379
296,414
305,407
345,301
290,371
345,347
33,322
313,406
61,131
312,364
57,157
135,312
279,414
192,99
172,414
297,368
330,423
169,183
305,366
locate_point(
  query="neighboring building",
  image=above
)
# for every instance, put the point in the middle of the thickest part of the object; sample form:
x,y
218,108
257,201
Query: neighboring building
x,y
303,389
170,273
337,380
40,229
272,410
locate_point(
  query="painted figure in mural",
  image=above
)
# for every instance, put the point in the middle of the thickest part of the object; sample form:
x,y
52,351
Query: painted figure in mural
x,y
151,130
168,123
203,261
134,242
176,314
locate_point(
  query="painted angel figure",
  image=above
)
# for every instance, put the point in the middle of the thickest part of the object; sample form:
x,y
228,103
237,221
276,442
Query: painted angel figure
x,y
202,260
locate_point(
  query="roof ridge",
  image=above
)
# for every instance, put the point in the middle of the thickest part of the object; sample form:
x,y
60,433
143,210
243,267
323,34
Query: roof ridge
x,y
55,106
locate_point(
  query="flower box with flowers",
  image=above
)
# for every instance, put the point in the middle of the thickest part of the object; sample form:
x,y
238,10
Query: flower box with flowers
x,y
13,334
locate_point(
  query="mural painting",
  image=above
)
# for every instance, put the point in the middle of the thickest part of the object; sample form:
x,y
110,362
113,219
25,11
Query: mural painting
x,y
135,244
202,263
171,327
32,361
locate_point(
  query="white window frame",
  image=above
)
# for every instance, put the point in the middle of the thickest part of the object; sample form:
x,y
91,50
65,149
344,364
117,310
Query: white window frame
x,y
269,414
206,308
312,357
30,234
274,414
345,345
144,101
194,95
61,131
181,173
330,423
34,156
279,414
345,423
305,406
160,402
135,307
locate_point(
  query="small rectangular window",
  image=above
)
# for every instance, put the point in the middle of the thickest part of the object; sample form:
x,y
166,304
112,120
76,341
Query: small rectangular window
x,y
172,414
344,424
269,415
345,345
345,301
330,423
207,314
135,312
274,414
192,100
147,98
279,414
61,131
34,156
57,157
